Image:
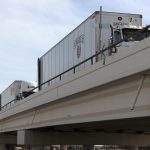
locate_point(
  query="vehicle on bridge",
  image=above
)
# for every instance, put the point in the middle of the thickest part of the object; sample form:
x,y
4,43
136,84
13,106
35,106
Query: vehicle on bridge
x,y
102,33
16,91
98,31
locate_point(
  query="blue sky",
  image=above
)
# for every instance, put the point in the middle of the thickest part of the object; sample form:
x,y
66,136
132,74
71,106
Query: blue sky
x,y
29,28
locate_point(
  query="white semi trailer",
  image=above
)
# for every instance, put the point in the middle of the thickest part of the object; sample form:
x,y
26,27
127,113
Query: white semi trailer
x,y
98,31
15,91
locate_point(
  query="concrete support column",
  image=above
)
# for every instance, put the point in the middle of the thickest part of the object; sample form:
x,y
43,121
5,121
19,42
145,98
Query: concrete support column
x,y
2,147
63,147
88,147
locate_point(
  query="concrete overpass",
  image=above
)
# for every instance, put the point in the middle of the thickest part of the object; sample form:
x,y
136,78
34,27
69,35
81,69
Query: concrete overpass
x,y
101,104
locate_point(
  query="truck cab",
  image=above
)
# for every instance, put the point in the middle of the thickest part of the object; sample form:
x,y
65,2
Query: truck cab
x,y
115,27
123,32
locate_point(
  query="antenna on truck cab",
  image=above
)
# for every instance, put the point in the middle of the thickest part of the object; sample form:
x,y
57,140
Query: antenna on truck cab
x,y
100,26
100,33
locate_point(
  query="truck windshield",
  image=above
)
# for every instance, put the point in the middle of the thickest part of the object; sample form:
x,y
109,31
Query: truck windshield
x,y
126,32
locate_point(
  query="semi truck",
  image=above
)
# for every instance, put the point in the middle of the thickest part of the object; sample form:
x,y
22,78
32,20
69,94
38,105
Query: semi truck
x,y
97,32
16,91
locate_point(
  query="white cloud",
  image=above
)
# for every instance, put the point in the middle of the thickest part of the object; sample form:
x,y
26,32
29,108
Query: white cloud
x,y
28,29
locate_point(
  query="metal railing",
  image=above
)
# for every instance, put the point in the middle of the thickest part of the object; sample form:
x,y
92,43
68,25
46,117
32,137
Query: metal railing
x,y
91,58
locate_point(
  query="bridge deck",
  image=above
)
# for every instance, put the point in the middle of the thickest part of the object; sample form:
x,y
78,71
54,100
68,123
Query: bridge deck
x,y
97,93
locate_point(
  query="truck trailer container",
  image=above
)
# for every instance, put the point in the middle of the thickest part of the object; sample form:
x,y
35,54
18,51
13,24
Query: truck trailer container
x,y
15,91
98,31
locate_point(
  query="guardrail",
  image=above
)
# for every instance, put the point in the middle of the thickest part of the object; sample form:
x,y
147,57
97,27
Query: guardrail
x,y
137,33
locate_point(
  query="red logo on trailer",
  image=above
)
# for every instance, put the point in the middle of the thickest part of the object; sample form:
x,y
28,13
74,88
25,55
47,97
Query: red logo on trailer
x,y
119,18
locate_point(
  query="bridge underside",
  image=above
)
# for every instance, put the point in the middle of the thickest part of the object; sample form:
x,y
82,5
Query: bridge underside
x,y
135,131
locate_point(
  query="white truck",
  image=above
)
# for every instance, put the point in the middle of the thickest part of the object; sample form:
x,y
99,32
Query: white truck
x,y
97,32
15,91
